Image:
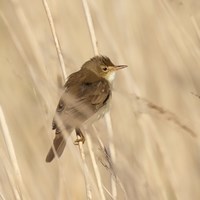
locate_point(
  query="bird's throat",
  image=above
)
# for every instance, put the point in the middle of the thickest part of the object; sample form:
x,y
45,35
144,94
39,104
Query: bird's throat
x,y
110,77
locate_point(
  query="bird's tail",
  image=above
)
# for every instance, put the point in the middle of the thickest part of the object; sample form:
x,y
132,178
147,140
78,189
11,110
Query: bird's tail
x,y
59,144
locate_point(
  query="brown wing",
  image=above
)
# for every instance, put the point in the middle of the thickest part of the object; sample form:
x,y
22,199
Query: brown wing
x,y
84,95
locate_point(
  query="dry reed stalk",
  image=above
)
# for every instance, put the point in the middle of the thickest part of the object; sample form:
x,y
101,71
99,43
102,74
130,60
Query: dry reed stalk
x,y
56,41
64,74
112,153
133,89
86,172
95,167
90,26
19,189
170,116
109,167
107,116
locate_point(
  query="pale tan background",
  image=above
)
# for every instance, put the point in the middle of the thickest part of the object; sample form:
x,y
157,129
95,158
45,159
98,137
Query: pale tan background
x,y
156,159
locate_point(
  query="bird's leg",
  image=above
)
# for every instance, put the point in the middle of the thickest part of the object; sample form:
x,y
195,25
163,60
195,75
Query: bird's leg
x,y
80,134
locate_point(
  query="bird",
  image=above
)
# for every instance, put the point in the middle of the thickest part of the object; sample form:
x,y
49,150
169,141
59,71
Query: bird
x,y
86,98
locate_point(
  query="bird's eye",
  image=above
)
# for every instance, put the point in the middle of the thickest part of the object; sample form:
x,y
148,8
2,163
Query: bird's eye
x,y
104,69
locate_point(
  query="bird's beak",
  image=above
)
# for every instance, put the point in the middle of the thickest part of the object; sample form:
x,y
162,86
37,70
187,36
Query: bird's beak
x,y
117,67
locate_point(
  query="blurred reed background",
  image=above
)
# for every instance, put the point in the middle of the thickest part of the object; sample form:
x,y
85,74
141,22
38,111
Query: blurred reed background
x,y
154,115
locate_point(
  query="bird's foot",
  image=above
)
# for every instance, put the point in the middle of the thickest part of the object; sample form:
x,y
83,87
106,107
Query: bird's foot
x,y
81,137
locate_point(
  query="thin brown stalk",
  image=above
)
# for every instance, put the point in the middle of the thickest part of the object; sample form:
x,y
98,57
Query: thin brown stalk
x,y
107,118
90,26
85,169
110,167
112,153
95,167
56,41
64,74
170,116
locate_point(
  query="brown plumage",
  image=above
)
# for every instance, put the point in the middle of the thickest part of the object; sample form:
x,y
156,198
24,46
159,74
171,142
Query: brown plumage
x,y
86,93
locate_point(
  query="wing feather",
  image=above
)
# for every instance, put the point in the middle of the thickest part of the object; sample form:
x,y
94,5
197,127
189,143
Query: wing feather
x,y
84,95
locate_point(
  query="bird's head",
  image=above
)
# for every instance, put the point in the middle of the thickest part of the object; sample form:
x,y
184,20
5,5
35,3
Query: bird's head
x,y
103,67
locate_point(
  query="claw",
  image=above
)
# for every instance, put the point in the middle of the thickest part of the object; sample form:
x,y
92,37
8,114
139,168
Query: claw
x,y
80,134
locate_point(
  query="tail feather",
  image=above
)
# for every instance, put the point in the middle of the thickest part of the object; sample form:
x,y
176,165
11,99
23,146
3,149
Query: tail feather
x,y
59,144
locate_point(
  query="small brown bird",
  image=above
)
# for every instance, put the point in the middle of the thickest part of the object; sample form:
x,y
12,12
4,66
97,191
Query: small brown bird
x,y
86,98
